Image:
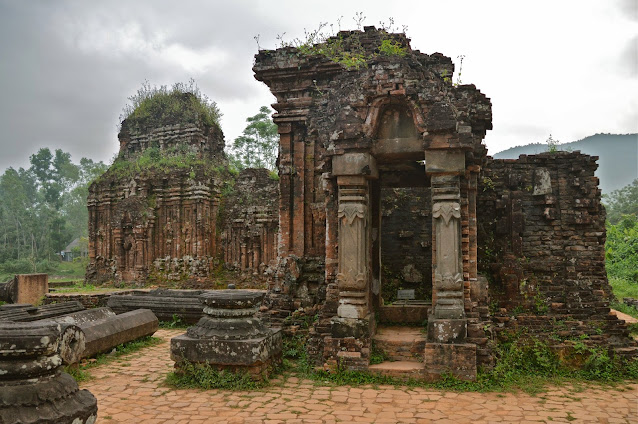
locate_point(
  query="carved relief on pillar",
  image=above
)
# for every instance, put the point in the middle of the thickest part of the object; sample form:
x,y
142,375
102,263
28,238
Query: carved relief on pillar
x,y
448,274
446,216
352,277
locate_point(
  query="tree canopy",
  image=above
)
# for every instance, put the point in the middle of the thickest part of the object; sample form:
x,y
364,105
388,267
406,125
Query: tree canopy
x,y
623,201
258,146
43,208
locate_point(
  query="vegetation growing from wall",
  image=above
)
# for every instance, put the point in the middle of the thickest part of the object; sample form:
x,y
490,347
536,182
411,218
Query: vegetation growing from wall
x,y
524,362
346,48
153,161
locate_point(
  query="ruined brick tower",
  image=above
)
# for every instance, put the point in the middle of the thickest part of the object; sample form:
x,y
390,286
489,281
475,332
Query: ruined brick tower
x,y
385,184
154,212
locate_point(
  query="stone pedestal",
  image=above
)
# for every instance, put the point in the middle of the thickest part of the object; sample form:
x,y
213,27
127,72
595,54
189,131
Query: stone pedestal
x,y
229,336
33,388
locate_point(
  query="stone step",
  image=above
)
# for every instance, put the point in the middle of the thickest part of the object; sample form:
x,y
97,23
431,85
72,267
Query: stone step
x,y
399,369
401,343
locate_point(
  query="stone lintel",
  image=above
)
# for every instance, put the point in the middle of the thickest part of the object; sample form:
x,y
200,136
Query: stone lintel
x,y
363,164
456,359
447,330
444,161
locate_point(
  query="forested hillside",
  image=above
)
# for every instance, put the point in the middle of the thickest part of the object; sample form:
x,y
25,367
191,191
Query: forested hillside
x,y
618,163
43,209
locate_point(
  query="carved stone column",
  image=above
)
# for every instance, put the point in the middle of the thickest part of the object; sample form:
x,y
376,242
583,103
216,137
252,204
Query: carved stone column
x,y
352,277
352,171
447,323
448,268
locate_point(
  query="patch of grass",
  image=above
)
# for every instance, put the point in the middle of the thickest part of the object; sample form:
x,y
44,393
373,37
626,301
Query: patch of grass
x,y
80,371
175,323
624,308
203,376
623,287
377,355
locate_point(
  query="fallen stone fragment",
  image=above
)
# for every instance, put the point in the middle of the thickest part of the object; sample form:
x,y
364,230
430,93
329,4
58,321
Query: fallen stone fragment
x,y
33,387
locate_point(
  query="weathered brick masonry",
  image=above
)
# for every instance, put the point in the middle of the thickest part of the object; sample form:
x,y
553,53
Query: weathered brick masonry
x,y
361,215
542,243
181,220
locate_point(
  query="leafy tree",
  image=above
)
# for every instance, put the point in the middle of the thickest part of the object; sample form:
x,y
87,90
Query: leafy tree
x,y
42,209
621,249
258,146
623,201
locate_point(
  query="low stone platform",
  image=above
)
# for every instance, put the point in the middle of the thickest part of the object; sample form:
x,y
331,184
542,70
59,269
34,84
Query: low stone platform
x,y
399,369
29,313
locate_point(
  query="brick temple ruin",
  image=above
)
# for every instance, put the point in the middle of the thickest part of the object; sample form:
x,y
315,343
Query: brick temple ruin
x,y
389,211
164,223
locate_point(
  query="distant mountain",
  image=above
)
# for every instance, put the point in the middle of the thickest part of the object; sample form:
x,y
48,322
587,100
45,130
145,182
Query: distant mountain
x,y
618,153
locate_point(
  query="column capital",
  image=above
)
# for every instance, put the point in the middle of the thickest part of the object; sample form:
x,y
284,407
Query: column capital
x,y
445,161
363,164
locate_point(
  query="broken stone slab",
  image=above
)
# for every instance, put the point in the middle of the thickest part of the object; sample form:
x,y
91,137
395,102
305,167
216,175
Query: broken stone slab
x,y
85,317
55,310
165,304
33,387
230,336
32,313
104,335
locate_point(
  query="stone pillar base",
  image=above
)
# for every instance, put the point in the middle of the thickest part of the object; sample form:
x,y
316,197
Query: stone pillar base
x,y
352,327
458,360
447,330
349,343
256,357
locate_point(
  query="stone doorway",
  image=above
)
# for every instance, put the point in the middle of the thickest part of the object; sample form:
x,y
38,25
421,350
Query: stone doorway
x,y
401,221
402,243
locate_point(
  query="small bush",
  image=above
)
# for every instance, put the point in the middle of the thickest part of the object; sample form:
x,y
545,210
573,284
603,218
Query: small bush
x,y
182,103
203,376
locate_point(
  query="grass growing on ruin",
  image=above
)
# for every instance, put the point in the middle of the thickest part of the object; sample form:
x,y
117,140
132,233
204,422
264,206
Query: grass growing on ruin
x,y
524,364
80,371
182,103
202,376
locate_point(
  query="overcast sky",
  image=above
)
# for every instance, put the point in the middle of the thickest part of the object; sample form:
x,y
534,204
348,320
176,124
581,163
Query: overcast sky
x,y
568,68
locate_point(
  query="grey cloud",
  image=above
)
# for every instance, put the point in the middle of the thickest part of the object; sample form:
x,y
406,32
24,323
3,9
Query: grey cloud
x,y
629,9
63,96
628,62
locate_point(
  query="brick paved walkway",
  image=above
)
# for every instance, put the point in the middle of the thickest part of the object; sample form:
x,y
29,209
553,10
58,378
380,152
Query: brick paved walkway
x,y
131,391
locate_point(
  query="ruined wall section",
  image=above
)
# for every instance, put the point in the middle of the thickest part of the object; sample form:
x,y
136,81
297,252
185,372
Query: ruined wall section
x,y
153,214
542,238
183,137
250,223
